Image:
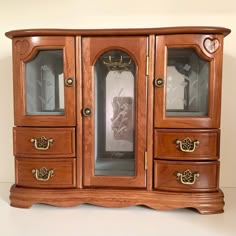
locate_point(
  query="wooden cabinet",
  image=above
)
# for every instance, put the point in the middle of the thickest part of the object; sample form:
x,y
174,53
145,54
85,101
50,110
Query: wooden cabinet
x,y
118,117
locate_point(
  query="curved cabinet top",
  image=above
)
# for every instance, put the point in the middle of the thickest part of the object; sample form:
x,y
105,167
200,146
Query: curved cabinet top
x,y
91,32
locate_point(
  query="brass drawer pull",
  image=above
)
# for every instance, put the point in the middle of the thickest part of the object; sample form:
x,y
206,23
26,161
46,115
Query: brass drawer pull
x,y
187,145
187,177
42,143
43,174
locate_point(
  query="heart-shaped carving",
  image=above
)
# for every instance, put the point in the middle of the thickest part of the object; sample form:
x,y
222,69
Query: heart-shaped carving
x,y
22,46
211,45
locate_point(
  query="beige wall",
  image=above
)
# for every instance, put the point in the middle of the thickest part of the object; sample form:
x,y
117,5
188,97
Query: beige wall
x,y
15,14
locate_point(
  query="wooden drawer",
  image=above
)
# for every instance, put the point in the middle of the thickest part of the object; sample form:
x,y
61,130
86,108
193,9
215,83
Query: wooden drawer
x,y
186,176
195,144
45,173
44,142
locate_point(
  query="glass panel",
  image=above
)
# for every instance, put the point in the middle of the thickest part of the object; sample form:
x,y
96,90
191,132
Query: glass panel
x,y
187,83
114,114
44,82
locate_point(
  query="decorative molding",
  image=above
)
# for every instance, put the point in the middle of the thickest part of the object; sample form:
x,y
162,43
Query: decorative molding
x,y
211,45
205,203
22,46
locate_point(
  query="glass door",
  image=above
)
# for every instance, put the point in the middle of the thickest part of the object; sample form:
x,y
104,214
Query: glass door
x,y
45,76
186,87
187,83
114,108
44,83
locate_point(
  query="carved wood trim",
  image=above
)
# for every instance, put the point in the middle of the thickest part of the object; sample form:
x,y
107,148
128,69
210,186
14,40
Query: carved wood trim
x,y
205,203
22,47
211,44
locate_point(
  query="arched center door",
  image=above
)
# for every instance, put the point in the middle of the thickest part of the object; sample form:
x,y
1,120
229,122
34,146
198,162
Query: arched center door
x,y
114,111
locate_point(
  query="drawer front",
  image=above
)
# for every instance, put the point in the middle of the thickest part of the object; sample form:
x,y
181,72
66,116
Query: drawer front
x,y
186,176
45,173
186,145
44,142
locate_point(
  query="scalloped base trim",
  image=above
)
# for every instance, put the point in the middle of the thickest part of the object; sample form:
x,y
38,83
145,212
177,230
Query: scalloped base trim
x,y
205,203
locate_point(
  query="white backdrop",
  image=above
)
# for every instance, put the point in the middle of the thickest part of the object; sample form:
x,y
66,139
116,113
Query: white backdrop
x,y
16,14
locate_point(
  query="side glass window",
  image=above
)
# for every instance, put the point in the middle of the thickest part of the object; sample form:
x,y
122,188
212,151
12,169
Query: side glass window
x,y
187,83
44,83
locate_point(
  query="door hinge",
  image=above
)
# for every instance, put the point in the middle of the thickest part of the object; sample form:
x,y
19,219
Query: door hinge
x,y
145,160
147,65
